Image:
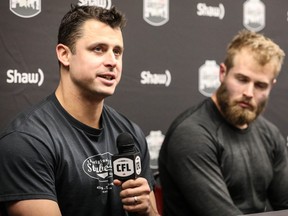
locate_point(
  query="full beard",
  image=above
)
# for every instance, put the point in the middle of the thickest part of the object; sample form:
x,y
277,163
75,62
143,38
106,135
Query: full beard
x,y
235,114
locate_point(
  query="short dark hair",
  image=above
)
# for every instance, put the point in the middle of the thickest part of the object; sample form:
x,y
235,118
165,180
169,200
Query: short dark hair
x,y
70,27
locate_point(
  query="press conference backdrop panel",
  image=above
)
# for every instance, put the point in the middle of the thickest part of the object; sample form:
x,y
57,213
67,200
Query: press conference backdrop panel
x,y
172,54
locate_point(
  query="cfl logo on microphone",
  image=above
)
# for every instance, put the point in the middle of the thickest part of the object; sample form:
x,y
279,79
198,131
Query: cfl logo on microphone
x,y
123,167
126,167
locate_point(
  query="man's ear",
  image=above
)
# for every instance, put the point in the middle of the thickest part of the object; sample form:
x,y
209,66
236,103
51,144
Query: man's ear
x,y
63,53
222,72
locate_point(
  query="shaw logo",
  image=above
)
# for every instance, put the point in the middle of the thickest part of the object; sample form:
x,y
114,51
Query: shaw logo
x,y
100,3
254,15
98,167
25,8
155,79
156,12
209,11
208,78
13,76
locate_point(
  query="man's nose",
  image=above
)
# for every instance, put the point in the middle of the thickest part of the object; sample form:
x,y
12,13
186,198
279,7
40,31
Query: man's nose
x,y
249,90
110,59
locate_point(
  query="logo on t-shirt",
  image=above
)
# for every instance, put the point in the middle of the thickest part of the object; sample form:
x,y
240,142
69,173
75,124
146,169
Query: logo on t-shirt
x,y
98,167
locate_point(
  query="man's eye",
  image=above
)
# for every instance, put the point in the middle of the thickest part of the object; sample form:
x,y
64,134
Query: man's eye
x,y
261,86
98,49
117,52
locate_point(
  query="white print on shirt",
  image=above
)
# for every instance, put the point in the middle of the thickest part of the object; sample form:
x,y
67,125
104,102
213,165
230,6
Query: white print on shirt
x,y
98,167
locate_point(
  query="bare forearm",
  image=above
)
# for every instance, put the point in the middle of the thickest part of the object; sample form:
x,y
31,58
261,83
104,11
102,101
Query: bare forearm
x,y
33,208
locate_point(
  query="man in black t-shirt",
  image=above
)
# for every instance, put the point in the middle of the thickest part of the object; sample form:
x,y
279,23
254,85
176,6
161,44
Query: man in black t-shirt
x,y
221,157
55,158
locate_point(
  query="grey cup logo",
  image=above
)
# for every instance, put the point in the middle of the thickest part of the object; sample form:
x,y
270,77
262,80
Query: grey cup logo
x,y
25,8
156,12
138,165
208,77
254,15
98,167
154,141
100,3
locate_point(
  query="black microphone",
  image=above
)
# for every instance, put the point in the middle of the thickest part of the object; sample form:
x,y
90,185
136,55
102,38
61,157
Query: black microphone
x,y
127,164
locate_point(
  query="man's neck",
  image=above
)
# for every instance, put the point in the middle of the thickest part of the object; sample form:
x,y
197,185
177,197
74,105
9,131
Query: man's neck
x,y
84,110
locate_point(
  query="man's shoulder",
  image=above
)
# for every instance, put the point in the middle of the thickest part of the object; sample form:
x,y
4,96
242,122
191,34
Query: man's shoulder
x,y
265,126
200,113
110,112
30,118
118,119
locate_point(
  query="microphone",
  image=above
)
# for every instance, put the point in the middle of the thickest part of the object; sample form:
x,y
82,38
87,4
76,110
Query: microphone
x,y
127,164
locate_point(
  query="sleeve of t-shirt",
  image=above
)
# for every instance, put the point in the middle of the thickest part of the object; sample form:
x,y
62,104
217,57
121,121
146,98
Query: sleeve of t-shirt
x,y
196,172
26,170
278,195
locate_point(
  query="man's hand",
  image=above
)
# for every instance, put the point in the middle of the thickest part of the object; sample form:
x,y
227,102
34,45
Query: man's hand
x,y
137,197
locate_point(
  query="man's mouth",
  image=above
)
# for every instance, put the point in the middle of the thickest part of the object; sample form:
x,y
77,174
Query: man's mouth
x,y
107,77
246,105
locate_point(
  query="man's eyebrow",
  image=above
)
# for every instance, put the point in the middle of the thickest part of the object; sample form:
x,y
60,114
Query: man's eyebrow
x,y
240,74
119,47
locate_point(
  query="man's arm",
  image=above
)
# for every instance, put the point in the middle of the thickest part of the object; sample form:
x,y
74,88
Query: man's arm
x,y
20,181
33,208
277,192
193,167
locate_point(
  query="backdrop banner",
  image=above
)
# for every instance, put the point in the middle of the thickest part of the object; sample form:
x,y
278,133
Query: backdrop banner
x,y
172,54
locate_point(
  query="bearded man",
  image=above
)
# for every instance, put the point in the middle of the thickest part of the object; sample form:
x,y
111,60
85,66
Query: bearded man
x,y
222,157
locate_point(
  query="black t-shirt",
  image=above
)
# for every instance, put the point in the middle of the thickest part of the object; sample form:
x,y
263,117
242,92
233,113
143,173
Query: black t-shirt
x,y
208,167
47,154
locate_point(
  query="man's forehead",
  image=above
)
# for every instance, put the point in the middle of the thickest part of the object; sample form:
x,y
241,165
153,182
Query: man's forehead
x,y
96,31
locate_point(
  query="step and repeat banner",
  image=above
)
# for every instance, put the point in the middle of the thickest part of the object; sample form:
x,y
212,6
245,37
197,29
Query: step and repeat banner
x,y
173,49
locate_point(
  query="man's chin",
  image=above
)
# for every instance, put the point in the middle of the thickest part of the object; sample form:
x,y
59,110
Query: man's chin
x,y
107,94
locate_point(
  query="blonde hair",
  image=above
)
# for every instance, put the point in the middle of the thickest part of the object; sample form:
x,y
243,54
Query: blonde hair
x,y
263,49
